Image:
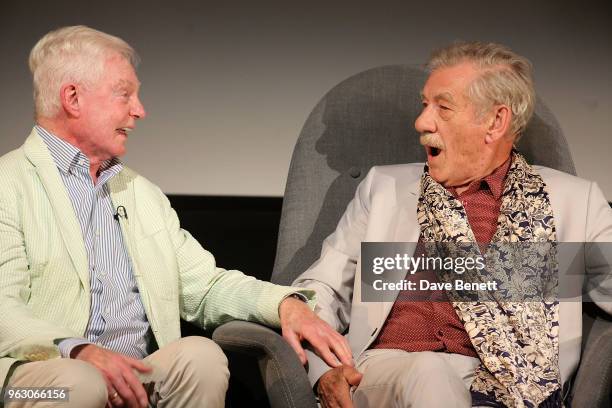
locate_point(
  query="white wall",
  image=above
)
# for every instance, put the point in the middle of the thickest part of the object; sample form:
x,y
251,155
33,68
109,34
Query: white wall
x,y
228,87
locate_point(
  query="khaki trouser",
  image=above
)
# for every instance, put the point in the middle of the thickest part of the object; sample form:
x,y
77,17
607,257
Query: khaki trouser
x,y
190,372
396,378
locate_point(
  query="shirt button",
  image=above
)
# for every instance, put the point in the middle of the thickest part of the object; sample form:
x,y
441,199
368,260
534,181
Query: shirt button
x,y
107,310
440,333
102,273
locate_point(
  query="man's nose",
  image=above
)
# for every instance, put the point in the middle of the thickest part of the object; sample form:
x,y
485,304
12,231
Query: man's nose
x,y
138,110
424,123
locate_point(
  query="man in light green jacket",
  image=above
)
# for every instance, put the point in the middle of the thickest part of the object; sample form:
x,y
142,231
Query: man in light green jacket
x,y
95,271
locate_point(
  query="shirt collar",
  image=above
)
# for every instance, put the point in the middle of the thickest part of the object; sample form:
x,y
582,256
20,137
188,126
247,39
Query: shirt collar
x,y
494,182
68,157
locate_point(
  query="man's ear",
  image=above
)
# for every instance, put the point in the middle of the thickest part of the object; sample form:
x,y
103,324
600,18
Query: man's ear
x,y
69,96
499,123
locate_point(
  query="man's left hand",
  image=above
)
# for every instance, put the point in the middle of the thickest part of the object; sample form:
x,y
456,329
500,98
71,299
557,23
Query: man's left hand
x,y
299,323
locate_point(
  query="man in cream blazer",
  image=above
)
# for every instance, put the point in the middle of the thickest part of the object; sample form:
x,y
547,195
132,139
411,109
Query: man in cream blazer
x,y
464,146
48,268
384,210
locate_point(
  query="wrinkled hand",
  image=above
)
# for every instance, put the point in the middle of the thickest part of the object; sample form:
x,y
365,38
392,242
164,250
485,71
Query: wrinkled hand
x,y
124,387
335,385
299,323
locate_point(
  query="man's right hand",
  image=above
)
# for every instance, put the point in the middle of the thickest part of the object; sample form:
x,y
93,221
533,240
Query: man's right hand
x,y
334,386
124,387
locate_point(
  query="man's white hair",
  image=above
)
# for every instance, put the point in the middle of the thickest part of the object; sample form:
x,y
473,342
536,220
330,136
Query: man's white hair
x,y
71,54
506,78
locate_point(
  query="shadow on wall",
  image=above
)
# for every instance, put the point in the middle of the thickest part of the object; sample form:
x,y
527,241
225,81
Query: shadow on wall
x,y
366,120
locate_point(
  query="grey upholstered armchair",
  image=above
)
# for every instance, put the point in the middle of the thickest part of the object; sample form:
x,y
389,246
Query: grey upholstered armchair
x,y
368,120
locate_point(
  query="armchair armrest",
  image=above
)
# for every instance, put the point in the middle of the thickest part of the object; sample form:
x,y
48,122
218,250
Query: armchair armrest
x,y
593,384
283,375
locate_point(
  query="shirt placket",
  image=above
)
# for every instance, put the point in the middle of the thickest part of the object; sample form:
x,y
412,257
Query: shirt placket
x,y
96,324
103,269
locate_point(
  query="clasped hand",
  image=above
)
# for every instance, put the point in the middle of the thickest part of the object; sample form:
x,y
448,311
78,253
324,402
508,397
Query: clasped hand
x,y
124,387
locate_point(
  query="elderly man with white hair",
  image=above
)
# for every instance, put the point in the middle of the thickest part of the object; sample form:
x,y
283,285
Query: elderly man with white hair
x,y
475,188
95,271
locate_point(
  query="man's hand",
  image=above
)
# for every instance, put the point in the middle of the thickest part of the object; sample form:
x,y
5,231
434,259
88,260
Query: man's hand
x,y
124,387
335,385
299,323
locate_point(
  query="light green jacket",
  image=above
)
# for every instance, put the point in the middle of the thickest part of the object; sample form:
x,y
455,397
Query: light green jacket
x,y
44,276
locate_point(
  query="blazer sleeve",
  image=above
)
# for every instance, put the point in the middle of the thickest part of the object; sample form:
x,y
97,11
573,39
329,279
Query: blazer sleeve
x,y
209,295
598,249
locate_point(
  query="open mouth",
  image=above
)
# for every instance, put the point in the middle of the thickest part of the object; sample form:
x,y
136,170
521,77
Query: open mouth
x,y
124,131
432,143
433,151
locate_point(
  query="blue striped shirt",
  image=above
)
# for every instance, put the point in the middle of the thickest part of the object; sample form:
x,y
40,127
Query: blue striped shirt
x,y
117,319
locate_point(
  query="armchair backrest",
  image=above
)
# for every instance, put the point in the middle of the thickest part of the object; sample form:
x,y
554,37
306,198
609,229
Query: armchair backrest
x,y
366,120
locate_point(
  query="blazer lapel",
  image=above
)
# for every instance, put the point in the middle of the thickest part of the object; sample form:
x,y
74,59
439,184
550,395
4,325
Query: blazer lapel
x,y
123,199
406,229
37,153
123,195
403,228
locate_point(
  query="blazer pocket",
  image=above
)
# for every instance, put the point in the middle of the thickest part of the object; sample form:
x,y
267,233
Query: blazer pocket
x,y
36,276
51,280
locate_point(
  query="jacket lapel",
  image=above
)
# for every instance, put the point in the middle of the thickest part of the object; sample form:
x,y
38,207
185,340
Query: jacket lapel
x,y
406,229
123,199
37,153
123,194
403,227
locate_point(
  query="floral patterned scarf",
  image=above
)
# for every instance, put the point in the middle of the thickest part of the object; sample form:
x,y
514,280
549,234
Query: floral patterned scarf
x,y
517,341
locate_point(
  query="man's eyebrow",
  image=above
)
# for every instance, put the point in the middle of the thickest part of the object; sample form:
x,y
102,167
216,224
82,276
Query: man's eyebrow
x,y
445,96
124,83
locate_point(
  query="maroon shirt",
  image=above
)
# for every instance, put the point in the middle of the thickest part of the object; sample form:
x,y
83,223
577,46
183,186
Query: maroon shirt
x,y
434,325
